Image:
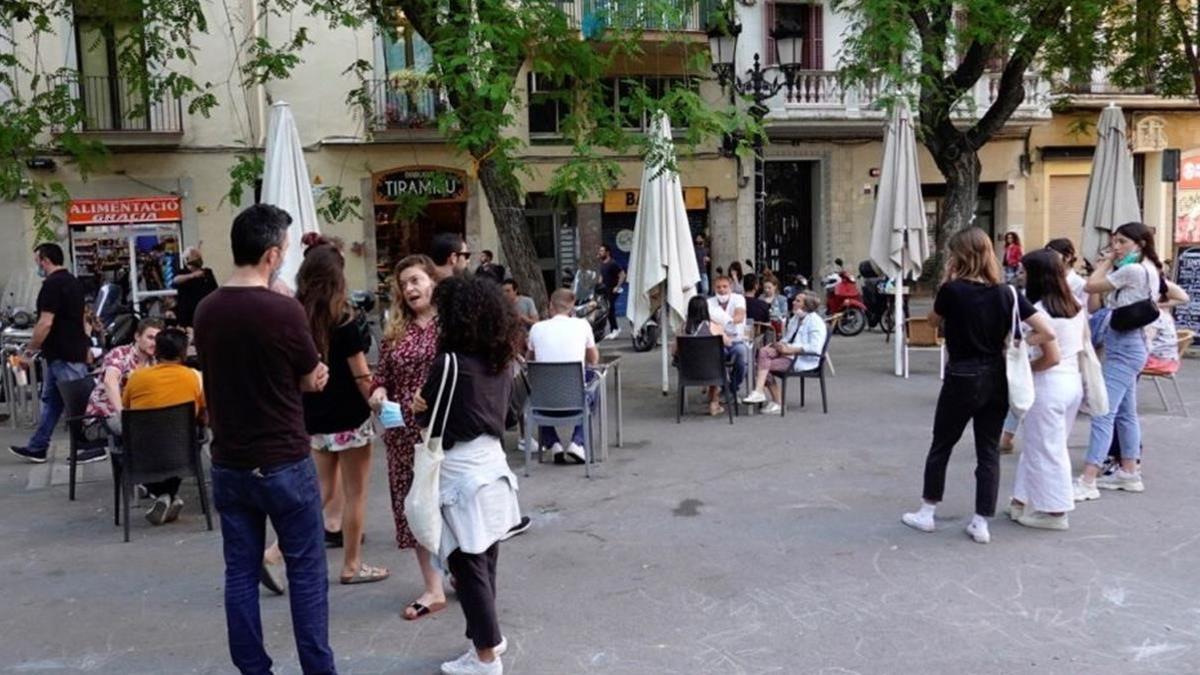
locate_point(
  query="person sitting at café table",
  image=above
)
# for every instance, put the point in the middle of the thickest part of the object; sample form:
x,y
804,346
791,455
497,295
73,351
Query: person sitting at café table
x,y
728,309
163,385
800,350
564,338
104,404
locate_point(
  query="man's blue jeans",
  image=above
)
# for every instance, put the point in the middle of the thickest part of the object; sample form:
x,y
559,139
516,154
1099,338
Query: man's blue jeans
x,y
738,354
289,495
52,404
549,435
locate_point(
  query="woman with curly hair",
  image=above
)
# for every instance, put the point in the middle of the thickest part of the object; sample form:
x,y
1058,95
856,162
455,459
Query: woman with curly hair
x,y
409,344
478,491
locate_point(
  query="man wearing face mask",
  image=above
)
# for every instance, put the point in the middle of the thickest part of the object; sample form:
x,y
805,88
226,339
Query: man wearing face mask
x,y
257,355
64,345
728,309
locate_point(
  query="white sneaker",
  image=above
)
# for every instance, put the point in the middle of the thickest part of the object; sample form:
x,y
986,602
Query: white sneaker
x,y
613,335
755,396
575,453
157,513
532,445
772,408
1044,521
173,510
979,533
556,450
1085,492
1014,511
469,664
918,521
1120,480
502,647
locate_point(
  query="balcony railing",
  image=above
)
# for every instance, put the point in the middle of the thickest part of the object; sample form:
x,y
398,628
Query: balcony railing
x,y
114,105
593,16
398,107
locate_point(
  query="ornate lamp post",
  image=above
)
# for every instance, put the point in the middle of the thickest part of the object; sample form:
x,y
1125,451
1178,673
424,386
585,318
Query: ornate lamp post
x,y
757,86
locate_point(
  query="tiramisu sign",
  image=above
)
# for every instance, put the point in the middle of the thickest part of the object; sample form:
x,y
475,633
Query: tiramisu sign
x,y
121,211
435,184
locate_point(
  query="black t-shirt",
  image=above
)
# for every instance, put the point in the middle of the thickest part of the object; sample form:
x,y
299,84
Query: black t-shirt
x,y
190,293
254,346
977,318
493,271
339,406
758,310
62,296
480,404
610,274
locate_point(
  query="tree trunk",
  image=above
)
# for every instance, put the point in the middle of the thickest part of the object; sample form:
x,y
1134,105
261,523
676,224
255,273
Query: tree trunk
x,y
504,199
960,166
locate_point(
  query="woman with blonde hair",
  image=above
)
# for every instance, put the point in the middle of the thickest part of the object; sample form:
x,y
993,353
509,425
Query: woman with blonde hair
x,y
409,345
975,310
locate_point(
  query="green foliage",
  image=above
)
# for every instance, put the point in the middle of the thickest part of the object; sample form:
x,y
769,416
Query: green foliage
x,y
335,207
1145,45
245,172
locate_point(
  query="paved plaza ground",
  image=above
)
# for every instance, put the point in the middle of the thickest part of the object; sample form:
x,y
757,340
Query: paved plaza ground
x,y
770,546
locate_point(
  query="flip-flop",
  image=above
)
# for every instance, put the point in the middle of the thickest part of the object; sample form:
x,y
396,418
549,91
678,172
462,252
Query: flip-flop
x,y
366,574
420,610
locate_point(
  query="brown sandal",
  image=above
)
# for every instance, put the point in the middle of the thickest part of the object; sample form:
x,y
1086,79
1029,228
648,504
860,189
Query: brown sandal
x,y
366,574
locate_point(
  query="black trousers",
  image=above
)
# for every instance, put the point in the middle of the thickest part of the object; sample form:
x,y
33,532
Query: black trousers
x,y
611,295
475,583
972,391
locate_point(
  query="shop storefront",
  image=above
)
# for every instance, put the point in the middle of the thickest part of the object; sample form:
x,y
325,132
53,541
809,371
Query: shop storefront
x,y
412,204
620,216
132,243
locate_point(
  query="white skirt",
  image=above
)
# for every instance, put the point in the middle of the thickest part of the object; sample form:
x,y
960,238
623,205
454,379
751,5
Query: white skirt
x,y
479,496
1043,481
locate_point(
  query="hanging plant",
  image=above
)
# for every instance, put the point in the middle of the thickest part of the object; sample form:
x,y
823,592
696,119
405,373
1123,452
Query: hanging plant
x,y
335,207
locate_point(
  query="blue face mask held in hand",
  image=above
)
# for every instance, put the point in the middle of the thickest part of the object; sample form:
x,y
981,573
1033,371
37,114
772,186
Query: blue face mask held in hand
x,y
390,416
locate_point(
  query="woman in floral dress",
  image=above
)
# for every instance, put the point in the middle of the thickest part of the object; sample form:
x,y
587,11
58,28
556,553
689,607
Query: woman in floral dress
x,y
409,345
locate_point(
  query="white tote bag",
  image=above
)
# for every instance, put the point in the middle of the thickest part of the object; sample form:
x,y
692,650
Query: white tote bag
x,y
1017,368
1092,373
423,503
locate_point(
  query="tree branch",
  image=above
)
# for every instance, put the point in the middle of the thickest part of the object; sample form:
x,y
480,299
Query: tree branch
x,y
1186,36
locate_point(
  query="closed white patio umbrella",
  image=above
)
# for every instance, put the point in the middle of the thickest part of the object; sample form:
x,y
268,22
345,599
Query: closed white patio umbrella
x,y
1112,194
662,261
899,242
286,185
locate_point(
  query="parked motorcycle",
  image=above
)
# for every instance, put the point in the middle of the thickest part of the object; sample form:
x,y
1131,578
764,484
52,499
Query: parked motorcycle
x,y
843,296
875,289
589,304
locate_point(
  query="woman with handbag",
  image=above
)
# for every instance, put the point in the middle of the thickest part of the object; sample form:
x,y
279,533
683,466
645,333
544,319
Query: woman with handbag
x,y
1042,492
977,313
1128,273
409,345
468,389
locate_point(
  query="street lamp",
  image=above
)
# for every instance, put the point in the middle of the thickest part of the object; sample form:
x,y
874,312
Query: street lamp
x,y
759,85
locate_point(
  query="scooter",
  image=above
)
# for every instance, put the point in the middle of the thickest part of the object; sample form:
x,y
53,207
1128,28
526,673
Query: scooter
x,y
875,289
843,296
589,304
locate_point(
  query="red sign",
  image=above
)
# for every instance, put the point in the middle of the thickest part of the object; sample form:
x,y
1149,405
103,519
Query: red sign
x,y
124,211
1189,178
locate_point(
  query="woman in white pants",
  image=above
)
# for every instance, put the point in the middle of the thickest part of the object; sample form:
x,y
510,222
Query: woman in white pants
x,y
1043,493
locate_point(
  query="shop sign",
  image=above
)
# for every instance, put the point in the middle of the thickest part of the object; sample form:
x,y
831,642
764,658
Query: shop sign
x,y
431,183
124,211
1187,204
626,201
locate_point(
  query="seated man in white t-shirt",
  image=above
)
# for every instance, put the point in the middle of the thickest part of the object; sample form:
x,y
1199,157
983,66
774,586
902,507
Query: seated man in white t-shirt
x,y
728,309
563,338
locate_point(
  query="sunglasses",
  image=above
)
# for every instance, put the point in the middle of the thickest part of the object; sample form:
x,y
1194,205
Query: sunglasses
x,y
463,254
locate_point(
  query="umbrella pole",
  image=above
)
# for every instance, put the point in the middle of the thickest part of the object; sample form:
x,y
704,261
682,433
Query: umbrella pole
x,y
898,309
663,328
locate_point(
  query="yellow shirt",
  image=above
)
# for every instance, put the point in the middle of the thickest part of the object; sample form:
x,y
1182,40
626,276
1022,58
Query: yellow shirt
x,y
162,386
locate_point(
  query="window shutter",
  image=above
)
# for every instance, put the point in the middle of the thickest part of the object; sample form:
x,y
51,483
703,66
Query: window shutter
x,y
816,37
769,56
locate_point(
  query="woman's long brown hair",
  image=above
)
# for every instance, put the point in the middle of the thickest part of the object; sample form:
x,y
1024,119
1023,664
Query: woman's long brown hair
x,y
401,315
321,289
971,256
1046,282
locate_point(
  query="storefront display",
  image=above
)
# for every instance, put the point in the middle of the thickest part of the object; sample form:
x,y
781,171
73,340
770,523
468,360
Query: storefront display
x,y
412,204
132,243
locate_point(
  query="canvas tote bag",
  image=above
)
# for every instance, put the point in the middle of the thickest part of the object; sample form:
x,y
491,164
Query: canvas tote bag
x,y
423,503
1091,371
1017,368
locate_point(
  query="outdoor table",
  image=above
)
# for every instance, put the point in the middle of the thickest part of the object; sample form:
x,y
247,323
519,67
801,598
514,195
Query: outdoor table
x,y
606,365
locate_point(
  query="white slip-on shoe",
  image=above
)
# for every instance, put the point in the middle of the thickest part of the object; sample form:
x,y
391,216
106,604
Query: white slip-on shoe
x,y
1085,492
1120,480
1044,521
979,533
918,522
575,454
556,453
469,664
755,396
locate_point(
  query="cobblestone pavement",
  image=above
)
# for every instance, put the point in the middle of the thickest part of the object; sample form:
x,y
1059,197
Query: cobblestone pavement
x,y
770,546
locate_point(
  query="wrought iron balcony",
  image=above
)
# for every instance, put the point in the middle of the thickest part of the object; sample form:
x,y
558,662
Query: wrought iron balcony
x,y
397,107
115,107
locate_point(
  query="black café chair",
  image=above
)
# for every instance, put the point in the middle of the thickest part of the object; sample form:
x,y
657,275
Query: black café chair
x,y
700,362
815,373
75,394
157,444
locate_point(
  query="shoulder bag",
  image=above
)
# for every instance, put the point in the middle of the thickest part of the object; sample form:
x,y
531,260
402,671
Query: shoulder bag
x,y
1017,368
1137,315
1092,373
423,503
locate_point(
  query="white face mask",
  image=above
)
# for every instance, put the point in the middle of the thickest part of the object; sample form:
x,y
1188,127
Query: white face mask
x,y
723,298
